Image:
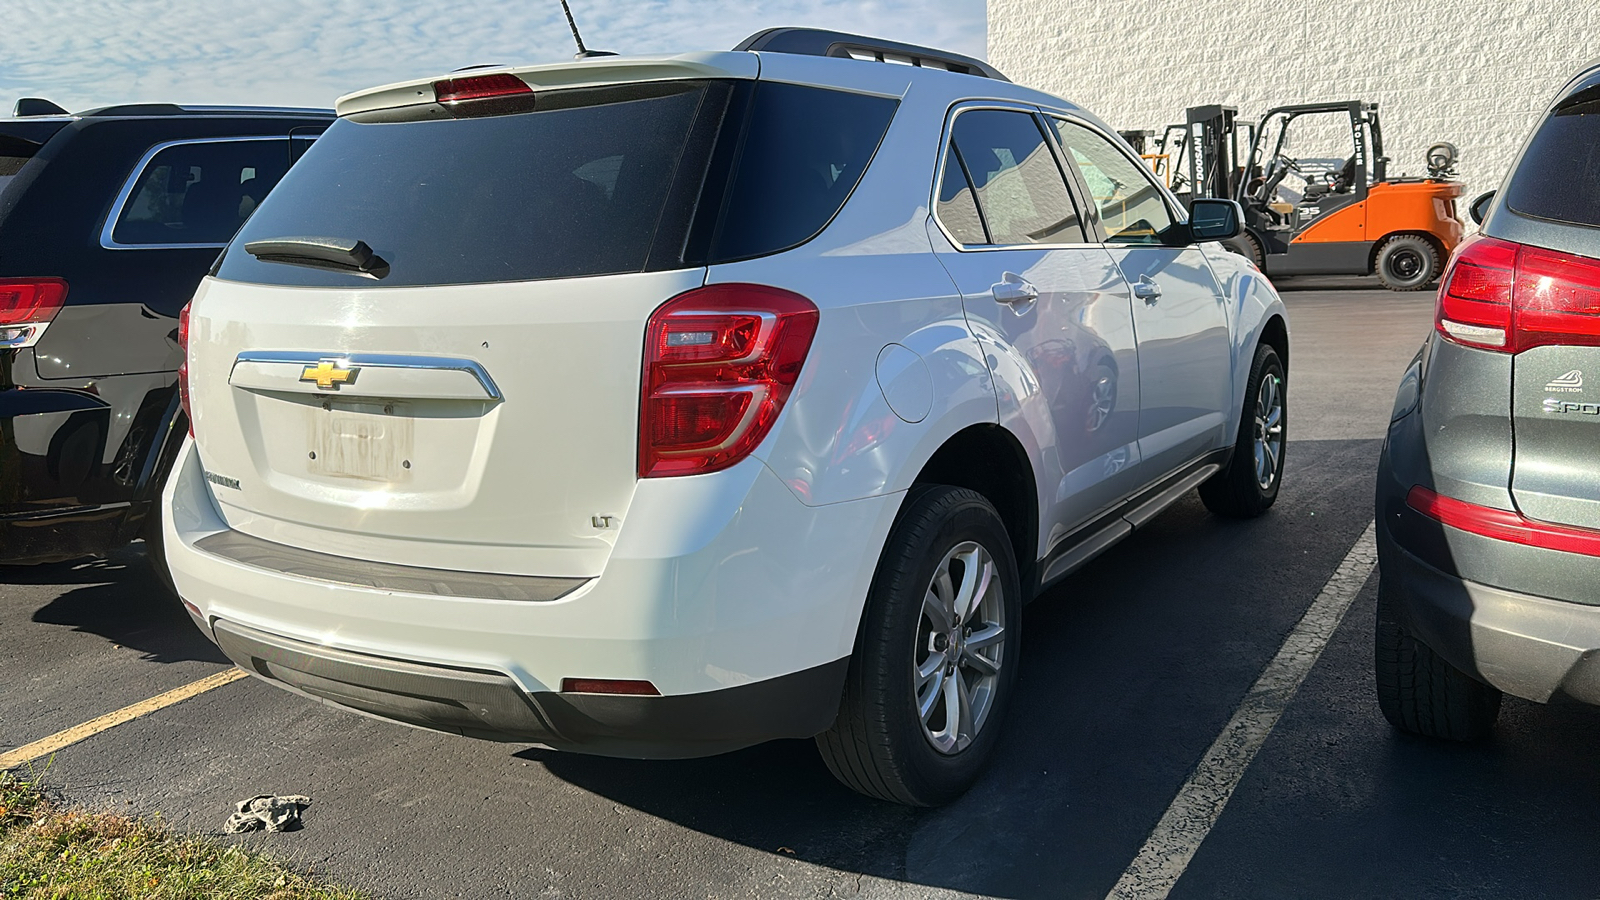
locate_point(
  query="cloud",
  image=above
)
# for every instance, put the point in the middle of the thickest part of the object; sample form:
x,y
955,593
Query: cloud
x,y
294,52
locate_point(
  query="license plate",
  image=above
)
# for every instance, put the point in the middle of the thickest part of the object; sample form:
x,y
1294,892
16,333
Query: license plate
x,y
366,441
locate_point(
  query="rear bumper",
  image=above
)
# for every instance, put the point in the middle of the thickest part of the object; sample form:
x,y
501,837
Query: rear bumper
x,y
736,601
1528,646
490,705
68,533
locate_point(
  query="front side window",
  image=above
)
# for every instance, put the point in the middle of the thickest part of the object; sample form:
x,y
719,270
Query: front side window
x,y
1020,190
199,192
1131,207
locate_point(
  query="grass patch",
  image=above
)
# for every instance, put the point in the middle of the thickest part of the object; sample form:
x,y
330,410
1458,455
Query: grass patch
x,y
48,852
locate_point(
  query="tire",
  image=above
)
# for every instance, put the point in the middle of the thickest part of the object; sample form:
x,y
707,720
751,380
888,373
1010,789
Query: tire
x,y
1248,486
1418,691
882,745
1407,262
1245,244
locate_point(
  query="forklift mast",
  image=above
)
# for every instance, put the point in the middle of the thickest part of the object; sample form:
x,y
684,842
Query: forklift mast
x,y
1216,149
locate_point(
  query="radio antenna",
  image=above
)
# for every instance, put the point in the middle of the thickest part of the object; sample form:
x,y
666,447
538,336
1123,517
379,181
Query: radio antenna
x,y
583,52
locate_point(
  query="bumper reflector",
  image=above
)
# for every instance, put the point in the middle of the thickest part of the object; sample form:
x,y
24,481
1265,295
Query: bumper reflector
x,y
1503,524
608,686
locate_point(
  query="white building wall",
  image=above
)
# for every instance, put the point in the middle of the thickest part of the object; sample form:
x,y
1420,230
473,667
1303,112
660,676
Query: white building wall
x,y
1472,72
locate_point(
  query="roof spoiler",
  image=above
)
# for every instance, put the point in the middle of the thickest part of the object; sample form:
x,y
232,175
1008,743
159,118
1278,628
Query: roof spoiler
x,y
818,42
36,106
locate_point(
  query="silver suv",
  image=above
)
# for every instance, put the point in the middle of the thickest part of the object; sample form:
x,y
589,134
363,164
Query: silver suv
x,y
1488,501
661,406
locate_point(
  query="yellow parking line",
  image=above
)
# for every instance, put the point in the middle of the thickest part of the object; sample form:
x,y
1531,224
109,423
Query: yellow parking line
x,y
46,746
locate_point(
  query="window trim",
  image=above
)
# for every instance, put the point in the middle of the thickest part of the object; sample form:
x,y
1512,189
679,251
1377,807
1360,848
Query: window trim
x,y
125,194
1179,215
947,137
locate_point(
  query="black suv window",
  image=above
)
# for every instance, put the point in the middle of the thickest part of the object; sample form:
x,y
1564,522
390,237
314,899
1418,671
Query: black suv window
x,y
198,192
1020,189
1559,176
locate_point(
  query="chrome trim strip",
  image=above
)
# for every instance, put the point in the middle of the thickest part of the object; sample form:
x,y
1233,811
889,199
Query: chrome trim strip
x,y
123,195
376,361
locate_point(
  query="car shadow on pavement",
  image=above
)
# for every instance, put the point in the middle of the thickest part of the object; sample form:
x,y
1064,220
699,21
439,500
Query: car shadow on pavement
x,y
121,600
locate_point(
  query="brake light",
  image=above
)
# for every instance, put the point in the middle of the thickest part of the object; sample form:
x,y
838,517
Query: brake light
x,y
719,363
1498,295
183,367
27,306
479,87
1503,524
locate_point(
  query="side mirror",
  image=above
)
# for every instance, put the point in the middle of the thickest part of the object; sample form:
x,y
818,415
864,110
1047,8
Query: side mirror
x,y
1214,220
1479,209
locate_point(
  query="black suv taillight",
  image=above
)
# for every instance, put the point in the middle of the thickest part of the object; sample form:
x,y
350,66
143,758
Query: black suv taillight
x,y
1509,297
27,306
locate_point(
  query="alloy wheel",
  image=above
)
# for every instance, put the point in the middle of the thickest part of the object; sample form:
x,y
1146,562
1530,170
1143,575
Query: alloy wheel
x,y
1269,430
960,647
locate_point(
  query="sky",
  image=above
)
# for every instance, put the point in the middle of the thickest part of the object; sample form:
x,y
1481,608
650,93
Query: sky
x,y
91,53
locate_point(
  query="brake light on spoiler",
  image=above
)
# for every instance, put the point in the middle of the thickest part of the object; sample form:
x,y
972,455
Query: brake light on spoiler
x,y
1509,297
27,307
483,95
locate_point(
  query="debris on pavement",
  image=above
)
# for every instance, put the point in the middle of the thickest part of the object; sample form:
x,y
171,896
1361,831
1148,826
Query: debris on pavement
x,y
266,812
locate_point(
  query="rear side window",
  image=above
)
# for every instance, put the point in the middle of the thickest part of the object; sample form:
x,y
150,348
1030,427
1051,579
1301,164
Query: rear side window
x,y
1019,187
197,193
14,154
805,148
956,209
1559,176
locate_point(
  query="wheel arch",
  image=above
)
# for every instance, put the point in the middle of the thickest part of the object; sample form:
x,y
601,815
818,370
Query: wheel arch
x,y
1275,333
990,460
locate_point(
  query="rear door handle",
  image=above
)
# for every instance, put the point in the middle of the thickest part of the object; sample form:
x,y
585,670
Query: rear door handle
x,y
1146,290
1014,291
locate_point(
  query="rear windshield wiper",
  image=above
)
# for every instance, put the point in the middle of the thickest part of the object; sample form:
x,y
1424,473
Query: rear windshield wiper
x,y
338,254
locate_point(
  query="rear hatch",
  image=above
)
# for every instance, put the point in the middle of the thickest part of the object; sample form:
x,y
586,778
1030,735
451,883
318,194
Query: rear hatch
x,y
1554,199
461,389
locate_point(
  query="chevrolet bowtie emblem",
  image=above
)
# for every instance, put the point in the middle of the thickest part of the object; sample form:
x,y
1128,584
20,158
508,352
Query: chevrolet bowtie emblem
x,y
328,374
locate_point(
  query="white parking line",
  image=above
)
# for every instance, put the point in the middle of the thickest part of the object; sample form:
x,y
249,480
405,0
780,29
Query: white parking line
x,y
1172,844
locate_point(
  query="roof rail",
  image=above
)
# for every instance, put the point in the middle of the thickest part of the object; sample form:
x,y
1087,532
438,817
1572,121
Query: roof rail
x,y
818,42
173,109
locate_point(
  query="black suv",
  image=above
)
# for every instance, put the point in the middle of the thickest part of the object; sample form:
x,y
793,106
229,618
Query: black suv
x,y
108,221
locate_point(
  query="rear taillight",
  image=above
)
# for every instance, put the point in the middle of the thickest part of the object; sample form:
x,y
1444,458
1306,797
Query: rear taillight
x,y
27,306
1498,295
1503,524
719,363
183,367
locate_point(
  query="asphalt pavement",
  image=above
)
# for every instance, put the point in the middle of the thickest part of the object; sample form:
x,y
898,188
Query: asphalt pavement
x,y
1132,667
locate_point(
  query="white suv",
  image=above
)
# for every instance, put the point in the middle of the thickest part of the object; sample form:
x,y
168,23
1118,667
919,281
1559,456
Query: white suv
x,y
662,406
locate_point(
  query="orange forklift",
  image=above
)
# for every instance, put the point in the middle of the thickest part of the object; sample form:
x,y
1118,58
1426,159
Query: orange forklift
x,y
1328,207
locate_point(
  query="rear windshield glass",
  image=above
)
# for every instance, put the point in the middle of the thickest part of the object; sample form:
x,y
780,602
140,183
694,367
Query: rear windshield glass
x,y
592,182
1559,176
554,193
14,154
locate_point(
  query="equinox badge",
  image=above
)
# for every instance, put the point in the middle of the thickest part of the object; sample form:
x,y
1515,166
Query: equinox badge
x,y
329,374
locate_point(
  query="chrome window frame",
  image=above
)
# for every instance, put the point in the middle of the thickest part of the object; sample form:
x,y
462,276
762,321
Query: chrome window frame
x,y
947,134
119,205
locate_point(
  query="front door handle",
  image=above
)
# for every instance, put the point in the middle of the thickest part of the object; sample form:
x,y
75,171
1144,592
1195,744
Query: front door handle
x,y
1146,290
1014,291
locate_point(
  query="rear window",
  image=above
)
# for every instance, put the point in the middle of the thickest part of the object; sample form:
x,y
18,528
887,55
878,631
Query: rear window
x,y
14,154
1559,176
594,181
